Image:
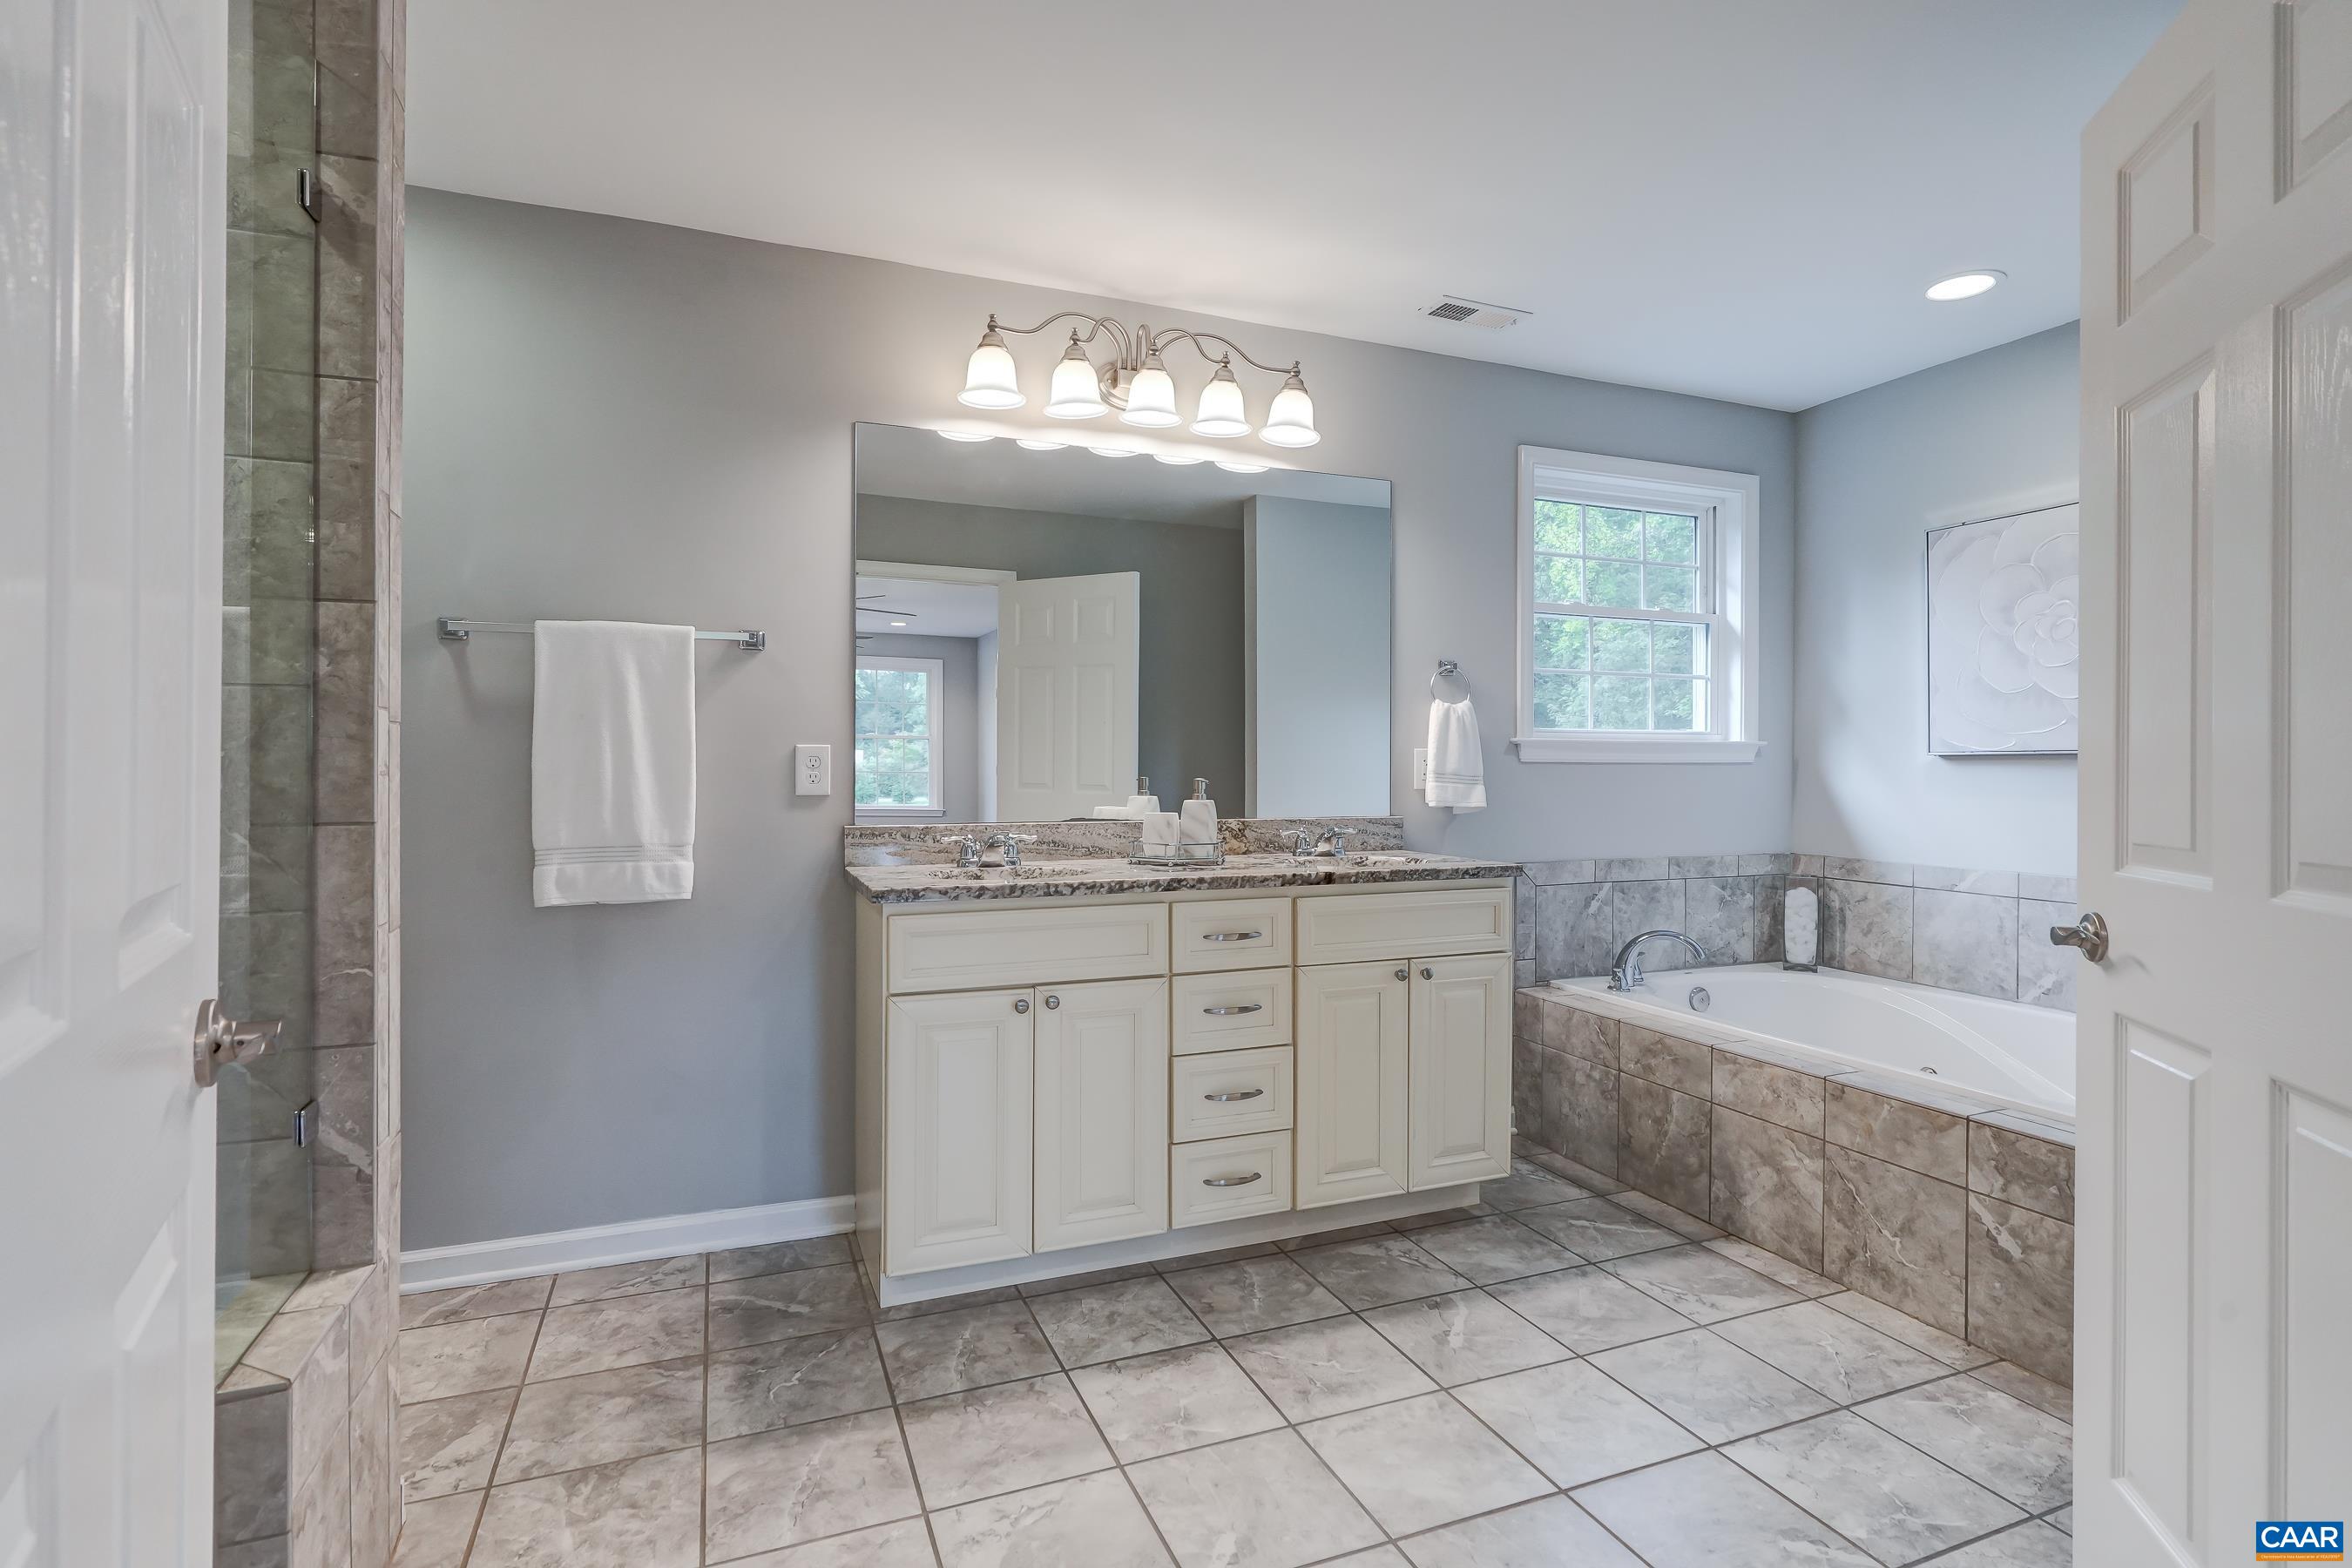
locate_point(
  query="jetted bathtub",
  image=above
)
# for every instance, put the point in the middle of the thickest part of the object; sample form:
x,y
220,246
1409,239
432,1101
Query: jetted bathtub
x,y
2005,1052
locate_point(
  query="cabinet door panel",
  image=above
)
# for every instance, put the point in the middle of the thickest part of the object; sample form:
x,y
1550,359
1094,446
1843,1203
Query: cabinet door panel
x,y
1460,1051
1102,1113
960,949
1351,1111
958,1130
1354,928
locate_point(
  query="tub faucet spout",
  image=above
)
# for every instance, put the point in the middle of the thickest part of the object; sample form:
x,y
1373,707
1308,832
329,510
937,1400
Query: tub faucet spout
x,y
1625,975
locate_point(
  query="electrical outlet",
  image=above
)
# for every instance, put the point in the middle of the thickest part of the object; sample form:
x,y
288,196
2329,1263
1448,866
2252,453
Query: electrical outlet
x,y
812,770
1420,768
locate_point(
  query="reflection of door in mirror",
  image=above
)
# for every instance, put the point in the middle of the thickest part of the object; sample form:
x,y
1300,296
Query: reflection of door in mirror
x,y
1067,665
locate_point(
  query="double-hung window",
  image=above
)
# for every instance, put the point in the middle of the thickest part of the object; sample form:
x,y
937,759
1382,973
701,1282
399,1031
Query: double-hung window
x,y
898,736
1637,611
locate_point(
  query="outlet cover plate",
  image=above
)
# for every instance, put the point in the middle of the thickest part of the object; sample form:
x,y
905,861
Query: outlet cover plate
x,y
812,770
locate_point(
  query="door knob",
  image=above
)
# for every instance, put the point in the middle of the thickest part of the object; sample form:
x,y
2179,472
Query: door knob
x,y
222,1041
2089,934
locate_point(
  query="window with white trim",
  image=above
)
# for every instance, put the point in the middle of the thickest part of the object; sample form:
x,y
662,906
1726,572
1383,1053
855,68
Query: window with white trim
x,y
898,732
1637,600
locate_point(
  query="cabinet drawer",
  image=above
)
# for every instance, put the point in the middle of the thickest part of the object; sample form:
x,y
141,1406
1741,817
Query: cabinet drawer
x,y
1231,933
1230,1012
1230,1093
965,951
1257,1167
1351,928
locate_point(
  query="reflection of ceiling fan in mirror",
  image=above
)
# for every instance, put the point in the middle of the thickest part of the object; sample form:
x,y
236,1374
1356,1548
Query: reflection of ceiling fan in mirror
x,y
896,617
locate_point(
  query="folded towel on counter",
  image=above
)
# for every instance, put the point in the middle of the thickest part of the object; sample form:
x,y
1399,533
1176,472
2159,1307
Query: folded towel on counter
x,y
1457,769
612,762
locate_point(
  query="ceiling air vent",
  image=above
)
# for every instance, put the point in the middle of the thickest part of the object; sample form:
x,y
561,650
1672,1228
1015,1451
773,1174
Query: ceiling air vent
x,y
1473,313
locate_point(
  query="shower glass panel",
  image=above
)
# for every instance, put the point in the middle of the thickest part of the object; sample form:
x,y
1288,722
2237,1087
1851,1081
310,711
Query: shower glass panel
x,y
268,617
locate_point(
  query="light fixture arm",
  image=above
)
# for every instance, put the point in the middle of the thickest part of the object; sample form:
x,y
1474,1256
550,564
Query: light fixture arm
x,y
1096,326
1159,340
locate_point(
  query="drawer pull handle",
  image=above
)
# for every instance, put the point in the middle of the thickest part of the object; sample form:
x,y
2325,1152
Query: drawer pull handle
x,y
1229,1098
1231,936
1232,1181
1234,1010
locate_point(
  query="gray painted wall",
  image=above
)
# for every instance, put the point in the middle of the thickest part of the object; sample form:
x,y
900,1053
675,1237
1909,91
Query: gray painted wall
x,y
1993,433
1320,578
959,715
1189,690
611,418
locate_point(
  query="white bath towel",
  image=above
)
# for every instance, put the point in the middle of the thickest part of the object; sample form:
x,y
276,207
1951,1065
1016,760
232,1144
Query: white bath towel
x,y
1801,912
1457,771
612,762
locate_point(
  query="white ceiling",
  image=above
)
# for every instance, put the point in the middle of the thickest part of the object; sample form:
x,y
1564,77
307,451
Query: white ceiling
x,y
1729,197
930,609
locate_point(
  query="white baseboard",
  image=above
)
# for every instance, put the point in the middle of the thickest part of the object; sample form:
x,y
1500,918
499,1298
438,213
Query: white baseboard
x,y
631,1241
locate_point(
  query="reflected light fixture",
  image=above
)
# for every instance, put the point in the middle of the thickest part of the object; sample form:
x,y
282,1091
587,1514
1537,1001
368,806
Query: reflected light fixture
x,y
1036,446
1136,381
1241,467
967,435
1114,451
1177,460
1965,285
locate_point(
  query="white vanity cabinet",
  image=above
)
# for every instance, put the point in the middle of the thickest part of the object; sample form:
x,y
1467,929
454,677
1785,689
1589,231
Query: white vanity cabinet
x,y
1056,1085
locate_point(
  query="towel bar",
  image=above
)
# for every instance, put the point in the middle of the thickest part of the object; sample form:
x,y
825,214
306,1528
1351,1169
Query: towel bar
x,y
454,629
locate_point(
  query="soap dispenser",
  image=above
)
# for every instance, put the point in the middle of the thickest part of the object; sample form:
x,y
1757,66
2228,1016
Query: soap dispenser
x,y
1142,803
1197,822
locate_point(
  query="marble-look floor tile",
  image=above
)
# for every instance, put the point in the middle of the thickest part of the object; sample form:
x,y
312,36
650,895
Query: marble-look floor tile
x,y
1884,1495
1765,1183
464,1358
1597,1228
1575,1424
950,1351
1775,1268
789,1382
1925,1338
1094,1522
1465,1336
1261,1502
1182,1398
905,1544
626,1279
448,1446
2034,1545
1710,1385
1486,1250
1587,1310
955,1303
766,1307
642,1513
1253,1294
1405,1225
1573,1170
1220,1255
1828,1351
801,1483
1551,1533
435,1531
1106,1322
1704,1511
627,1330
2025,1455
2021,1286
1001,1438
1326,1367
1528,1186
2064,1518
1333,1237
1421,1463
1662,1141
1703,1286
2033,1388
1684,1222
602,1417
1377,1270
778,1257
1093,1277
455,1305
1378,1557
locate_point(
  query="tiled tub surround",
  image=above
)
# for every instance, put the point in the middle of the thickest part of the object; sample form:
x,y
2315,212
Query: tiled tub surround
x,y
1981,932
1546,1379
1958,1212
1575,914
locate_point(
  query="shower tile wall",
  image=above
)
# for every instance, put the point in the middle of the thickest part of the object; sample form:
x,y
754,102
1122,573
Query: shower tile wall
x,y
1575,914
1983,932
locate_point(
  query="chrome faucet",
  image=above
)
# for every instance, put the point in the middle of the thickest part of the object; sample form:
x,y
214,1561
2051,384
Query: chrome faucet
x,y
1011,844
967,848
1332,845
1625,975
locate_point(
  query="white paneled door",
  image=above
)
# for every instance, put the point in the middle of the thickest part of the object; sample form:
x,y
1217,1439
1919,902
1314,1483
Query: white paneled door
x,y
2213,1370
1068,663
112,162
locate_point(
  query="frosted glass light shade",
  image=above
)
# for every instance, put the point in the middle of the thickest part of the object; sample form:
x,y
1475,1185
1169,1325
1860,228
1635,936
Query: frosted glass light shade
x,y
990,380
1151,398
1076,392
1221,412
1291,421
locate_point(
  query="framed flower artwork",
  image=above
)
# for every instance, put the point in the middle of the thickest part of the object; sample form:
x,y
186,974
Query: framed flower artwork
x,y
2005,635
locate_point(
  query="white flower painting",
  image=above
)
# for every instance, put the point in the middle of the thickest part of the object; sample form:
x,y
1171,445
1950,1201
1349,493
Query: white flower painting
x,y
2004,635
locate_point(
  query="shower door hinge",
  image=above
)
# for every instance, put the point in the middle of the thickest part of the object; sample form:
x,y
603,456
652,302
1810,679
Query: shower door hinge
x,y
306,191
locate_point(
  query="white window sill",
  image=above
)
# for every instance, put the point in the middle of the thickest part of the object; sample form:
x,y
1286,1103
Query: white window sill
x,y
1559,748
884,813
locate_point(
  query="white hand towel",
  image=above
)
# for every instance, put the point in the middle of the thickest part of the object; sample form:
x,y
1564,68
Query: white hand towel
x,y
612,762
1458,769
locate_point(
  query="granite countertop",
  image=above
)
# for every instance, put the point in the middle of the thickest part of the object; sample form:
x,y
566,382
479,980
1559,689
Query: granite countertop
x,y
1087,877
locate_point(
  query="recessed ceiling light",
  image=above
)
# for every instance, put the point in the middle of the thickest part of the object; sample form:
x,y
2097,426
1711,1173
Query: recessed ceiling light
x,y
1177,460
1041,445
1112,451
1964,285
966,436
897,623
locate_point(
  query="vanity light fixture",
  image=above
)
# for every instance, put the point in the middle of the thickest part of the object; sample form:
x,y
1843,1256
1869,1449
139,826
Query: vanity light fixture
x,y
1136,382
1965,285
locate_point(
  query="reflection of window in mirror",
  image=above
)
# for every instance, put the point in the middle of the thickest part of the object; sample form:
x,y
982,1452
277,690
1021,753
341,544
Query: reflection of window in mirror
x,y
899,730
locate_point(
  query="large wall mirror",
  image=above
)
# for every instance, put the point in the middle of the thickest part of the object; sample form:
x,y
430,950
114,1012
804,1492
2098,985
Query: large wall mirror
x,y
1037,628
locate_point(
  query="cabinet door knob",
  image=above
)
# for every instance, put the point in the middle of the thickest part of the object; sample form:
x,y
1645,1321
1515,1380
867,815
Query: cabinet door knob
x,y
1021,1005
1232,1181
1052,1003
1427,972
1403,975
